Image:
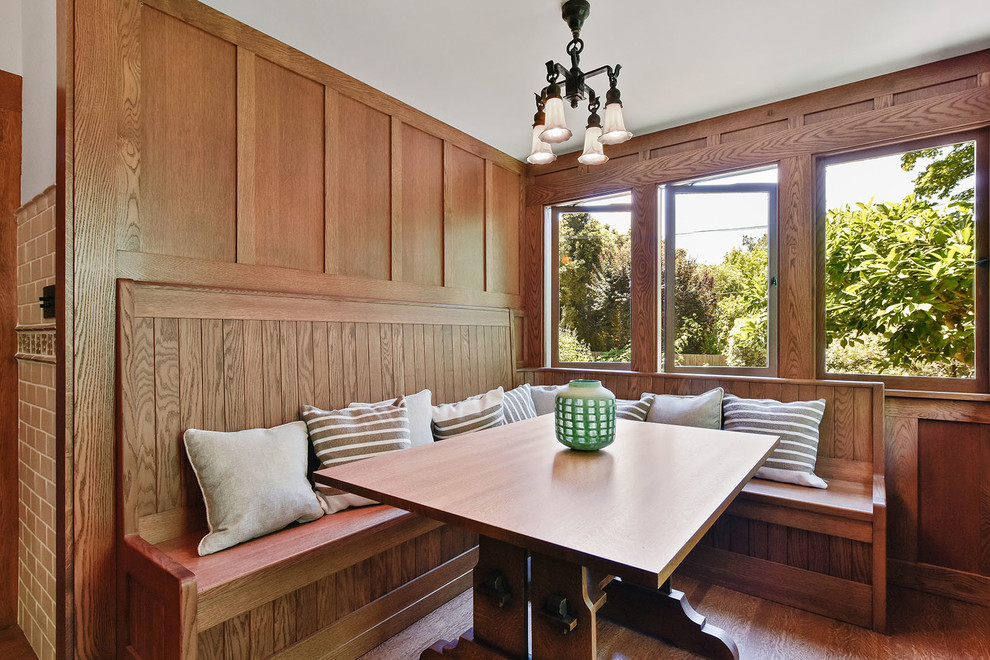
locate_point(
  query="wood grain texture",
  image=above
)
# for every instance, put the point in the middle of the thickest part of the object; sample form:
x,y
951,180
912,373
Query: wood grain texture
x,y
10,199
645,283
188,140
288,201
421,212
464,219
530,470
359,197
503,197
902,486
796,272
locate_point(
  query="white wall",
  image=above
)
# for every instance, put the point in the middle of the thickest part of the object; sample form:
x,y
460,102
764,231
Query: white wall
x,y
10,36
38,64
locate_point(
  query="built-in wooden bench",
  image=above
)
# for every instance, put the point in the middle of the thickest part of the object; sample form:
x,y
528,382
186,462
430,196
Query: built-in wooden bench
x,y
231,360
819,550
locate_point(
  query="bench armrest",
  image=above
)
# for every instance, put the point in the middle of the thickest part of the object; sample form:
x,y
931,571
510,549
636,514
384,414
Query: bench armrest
x,y
153,585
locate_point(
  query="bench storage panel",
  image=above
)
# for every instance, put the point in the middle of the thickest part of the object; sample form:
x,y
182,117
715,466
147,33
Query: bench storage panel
x,y
820,550
228,360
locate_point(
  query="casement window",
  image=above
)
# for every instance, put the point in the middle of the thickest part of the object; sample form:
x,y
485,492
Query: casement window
x,y
589,272
904,236
717,271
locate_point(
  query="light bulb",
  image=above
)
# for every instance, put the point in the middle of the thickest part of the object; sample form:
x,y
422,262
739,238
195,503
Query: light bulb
x,y
542,152
614,131
593,153
556,130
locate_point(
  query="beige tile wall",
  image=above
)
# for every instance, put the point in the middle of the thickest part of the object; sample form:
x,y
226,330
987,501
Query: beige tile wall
x,y
36,426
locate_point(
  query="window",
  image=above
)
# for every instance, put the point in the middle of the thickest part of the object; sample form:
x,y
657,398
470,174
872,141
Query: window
x,y
591,262
718,253
901,282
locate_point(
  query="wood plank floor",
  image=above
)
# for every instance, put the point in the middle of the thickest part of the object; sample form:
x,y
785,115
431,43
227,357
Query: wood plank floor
x,y
921,627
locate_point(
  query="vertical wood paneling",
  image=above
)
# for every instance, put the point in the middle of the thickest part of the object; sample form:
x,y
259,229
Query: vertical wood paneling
x,y
305,361
321,366
504,191
290,371
262,631
421,250
953,457
464,219
359,155
362,366
796,269
167,418
350,364
375,366
139,486
398,361
233,374
288,200
644,294
214,418
901,448
338,384
237,636
254,374
190,396
284,616
188,142
429,359
271,353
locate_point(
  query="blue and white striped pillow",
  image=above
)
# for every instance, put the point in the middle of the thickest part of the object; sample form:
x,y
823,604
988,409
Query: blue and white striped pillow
x,y
517,404
797,422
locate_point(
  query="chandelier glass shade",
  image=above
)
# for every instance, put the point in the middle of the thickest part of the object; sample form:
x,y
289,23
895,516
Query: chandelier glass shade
x,y
550,100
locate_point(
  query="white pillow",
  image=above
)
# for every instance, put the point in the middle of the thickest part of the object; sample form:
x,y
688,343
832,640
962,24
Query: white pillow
x,y
253,482
473,414
420,410
544,397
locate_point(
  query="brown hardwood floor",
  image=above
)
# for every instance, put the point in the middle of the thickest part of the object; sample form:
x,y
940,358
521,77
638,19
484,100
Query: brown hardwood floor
x,y
921,626
14,646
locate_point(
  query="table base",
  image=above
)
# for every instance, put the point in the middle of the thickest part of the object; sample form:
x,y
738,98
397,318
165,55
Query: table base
x,y
566,601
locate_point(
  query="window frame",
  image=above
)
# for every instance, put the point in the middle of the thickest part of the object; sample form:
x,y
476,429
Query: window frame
x,y
667,275
553,266
981,301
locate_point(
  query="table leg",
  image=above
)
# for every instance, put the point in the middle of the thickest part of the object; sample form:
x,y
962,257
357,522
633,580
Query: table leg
x,y
565,598
500,599
666,614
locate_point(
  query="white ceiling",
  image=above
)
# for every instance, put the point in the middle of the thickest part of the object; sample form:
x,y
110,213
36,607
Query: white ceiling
x,y
475,65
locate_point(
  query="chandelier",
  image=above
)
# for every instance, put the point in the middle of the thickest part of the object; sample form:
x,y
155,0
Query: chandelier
x,y
549,124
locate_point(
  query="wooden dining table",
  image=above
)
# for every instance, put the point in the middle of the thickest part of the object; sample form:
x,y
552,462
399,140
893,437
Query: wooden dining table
x,y
568,536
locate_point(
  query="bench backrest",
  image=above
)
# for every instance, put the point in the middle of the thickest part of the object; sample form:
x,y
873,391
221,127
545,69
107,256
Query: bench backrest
x,y
851,433
228,360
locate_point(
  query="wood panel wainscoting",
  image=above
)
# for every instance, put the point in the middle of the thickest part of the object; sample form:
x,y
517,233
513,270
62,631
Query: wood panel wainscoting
x,y
232,359
938,461
824,551
199,151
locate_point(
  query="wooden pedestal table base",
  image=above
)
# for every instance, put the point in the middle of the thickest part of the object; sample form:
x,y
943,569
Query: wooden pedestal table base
x,y
567,599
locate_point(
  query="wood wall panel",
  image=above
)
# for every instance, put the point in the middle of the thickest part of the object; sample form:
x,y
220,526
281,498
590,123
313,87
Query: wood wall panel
x,y
953,503
420,251
464,219
188,141
359,201
503,191
286,113
10,200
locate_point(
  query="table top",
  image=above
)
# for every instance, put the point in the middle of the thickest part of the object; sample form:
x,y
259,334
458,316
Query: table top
x,y
634,509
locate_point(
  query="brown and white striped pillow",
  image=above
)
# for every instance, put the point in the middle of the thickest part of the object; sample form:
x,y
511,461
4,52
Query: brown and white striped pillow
x,y
344,436
474,414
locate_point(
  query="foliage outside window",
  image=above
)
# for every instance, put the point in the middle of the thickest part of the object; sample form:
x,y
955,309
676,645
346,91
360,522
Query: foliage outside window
x,y
717,234
593,281
900,248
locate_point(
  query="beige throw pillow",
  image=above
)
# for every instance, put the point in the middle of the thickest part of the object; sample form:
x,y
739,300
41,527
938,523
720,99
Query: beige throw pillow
x,y
344,436
253,482
476,413
420,411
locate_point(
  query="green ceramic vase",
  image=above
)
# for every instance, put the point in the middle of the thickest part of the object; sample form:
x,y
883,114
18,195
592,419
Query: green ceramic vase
x,y
585,415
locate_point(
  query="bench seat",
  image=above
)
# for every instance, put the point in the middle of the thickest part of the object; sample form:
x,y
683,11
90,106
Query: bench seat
x,y
196,593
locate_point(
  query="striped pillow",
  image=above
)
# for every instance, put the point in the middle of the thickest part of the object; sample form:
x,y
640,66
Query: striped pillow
x,y
481,412
793,461
517,404
343,436
633,409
